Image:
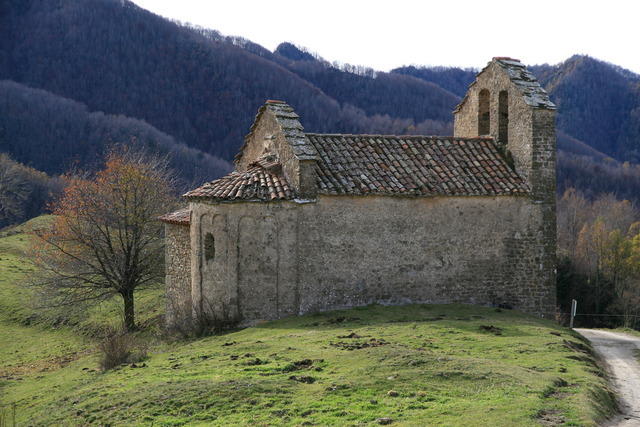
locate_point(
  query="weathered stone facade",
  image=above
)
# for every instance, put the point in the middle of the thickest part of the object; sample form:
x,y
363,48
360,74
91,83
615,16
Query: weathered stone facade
x,y
295,230
530,141
178,271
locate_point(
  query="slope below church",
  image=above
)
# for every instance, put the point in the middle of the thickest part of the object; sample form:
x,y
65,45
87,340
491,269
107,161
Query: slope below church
x,y
311,222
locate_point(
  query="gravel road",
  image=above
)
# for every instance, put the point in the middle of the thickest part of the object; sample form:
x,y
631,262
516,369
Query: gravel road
x,y
619,352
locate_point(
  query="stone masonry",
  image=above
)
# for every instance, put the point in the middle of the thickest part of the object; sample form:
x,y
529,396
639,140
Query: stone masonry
x,y
178,269
313,222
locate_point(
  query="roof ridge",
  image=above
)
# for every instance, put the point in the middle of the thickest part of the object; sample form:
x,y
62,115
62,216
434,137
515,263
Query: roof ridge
x,y
370,135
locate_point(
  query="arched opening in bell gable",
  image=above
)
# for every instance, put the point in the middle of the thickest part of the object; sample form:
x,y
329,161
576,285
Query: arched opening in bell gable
x,y
484,115
503,117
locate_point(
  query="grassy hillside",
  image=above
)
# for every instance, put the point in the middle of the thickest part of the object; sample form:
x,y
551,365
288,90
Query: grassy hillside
x,y
437,364
21,305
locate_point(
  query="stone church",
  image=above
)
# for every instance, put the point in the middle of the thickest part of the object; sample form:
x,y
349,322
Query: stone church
x,y
310,222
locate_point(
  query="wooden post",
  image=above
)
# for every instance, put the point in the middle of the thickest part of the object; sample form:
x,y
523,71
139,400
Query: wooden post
x,y
574,306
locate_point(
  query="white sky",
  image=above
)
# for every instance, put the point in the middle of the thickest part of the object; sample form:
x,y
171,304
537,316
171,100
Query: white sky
x,y
387,34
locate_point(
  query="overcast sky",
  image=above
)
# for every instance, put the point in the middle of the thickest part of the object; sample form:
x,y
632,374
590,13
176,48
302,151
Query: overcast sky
x,y
391,33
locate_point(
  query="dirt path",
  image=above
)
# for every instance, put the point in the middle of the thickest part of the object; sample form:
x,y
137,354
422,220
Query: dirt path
x,y
618,350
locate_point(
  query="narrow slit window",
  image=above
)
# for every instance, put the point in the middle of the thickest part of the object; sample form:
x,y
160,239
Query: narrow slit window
x,y
209,247
503,117
484,116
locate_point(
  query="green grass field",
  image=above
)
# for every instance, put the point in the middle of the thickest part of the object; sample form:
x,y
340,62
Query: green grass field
x,y
18,304
447,365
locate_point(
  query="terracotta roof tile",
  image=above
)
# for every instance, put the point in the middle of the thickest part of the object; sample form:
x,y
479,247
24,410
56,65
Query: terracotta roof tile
x,y
413,166
180,217
263,180
379,164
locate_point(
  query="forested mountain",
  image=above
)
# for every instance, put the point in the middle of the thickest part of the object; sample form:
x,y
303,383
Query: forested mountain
x,y
176,83
55,134
120,59
595,177
598,103
455,80
376,93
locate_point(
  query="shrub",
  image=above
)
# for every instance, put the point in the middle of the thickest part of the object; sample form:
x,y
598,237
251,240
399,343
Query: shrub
x,y
119,348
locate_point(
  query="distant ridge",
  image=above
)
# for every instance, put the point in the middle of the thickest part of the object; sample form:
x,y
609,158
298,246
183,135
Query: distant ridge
x,y
55,134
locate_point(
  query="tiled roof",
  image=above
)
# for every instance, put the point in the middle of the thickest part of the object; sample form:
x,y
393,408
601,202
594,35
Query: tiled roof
x,y
532,93
180,217
263,180
413,165
384,165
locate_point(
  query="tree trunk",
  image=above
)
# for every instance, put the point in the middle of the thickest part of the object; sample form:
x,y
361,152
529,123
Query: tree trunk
x,y
129,317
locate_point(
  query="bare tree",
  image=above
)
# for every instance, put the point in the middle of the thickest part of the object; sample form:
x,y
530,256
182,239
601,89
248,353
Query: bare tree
x,y
572,214
105,239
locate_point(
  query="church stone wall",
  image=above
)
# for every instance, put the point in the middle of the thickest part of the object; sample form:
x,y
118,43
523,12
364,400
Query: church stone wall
x,y
280,259
475,250
253,275
178,275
